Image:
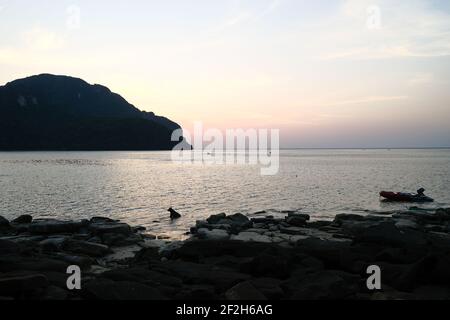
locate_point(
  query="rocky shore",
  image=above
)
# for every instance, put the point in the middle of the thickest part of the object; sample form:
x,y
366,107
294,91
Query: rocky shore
x,y
230,257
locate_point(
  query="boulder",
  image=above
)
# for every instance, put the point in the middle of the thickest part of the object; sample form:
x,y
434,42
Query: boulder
x,y
296,221
244,291
23,219
46,227
102,220
214,219
234,223
3,222
240,220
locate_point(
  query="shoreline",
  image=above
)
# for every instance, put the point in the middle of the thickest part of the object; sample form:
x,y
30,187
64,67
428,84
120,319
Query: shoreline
x,y
230,258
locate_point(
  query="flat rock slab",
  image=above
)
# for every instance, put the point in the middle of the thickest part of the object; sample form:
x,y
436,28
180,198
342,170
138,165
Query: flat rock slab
x,y
122,254
251,237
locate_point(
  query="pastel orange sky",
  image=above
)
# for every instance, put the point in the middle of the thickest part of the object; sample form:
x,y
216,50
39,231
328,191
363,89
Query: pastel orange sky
x,y
337,73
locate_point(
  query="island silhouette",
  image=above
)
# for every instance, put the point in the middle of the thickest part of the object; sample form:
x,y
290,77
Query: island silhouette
x,y
50,112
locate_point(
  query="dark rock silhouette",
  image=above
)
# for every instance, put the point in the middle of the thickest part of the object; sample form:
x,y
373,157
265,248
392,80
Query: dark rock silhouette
x,y
264,258
173,214
48,112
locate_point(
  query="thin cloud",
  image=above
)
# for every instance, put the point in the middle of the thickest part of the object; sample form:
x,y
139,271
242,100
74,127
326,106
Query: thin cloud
x,y
410,29
365,100
39,38
244,16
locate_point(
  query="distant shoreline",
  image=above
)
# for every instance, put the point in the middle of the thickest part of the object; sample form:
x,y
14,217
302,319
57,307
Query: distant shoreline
x,y
281,149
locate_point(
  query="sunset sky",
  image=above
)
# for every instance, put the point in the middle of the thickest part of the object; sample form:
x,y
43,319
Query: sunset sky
x,y
330,73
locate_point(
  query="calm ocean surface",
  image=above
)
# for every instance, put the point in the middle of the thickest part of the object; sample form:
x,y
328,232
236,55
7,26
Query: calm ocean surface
x,y
139,187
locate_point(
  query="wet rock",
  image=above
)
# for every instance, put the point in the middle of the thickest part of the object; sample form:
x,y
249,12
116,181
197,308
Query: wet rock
x,y
214,219
267,220
103,220
23,219
240,220
104,289
87,248
232,223
244,291
296,221
122,255
138,229
341,218
406,224
46,227
215,234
